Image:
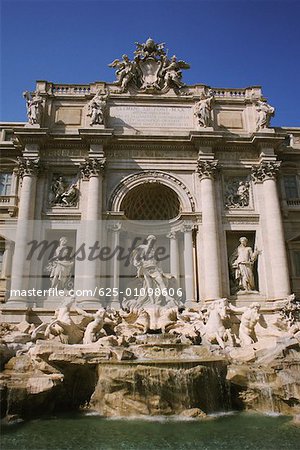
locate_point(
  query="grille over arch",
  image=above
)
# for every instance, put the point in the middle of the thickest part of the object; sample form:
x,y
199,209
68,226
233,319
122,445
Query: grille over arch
x,y
151,201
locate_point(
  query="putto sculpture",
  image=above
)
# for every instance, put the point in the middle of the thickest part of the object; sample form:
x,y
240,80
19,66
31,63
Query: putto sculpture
x,y
150,71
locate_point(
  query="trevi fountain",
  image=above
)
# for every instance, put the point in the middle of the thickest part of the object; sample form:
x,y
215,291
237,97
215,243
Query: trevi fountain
x,y
184,330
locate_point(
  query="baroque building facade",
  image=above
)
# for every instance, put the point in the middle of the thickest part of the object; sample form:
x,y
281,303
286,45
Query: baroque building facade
x,y
198,167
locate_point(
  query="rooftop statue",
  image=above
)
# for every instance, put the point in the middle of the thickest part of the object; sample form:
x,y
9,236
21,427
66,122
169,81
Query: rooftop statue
x,y
150,71
149,48
34,105
202,109
97,108
264,113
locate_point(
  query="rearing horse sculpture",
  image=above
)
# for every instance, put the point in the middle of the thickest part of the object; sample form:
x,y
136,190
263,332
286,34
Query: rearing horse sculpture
x,y
214,329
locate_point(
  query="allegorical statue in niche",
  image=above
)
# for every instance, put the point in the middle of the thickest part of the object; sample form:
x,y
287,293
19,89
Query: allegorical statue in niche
x,y
126,71
203,108
97,108
60,266
264,113
34,105
237,194
62,194
241,262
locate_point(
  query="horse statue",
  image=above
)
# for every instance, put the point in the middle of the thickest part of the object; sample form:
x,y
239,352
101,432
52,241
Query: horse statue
x,y
214,329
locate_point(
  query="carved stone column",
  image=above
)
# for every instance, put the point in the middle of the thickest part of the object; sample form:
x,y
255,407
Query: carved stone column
x,y
189,274
92,170
272,229
114,301
27,170
174,256
212,270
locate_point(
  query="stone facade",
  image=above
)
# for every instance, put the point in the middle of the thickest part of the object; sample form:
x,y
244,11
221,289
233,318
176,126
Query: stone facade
x,y
201,166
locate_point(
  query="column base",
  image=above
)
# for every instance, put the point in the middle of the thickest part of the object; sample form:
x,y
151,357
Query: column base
x,y
90,303
17,302
191,304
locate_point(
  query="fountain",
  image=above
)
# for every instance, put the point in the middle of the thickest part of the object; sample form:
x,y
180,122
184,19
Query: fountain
x,y
155,356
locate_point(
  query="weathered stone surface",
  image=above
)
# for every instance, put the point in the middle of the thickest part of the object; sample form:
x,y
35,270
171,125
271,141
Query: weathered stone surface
x,y
194,413
164,388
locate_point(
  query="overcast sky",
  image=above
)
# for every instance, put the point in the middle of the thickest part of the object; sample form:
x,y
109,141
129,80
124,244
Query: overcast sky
x,y
227,43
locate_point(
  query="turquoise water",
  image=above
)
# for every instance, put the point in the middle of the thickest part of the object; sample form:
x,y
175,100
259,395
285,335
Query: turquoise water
x,y
234,432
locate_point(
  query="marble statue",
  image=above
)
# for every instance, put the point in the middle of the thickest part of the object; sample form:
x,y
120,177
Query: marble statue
x,y
249,319
34,105
237,194
97,108
94,329
150,71
149,49
172,74
125,73
264,113
63,326
155,282
214,330
241,262
202,109
60,266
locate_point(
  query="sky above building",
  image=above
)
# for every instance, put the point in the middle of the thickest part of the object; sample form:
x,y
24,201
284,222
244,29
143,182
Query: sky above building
x,y
227,43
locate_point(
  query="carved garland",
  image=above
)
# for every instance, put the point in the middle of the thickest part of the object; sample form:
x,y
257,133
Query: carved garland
x,y
157,177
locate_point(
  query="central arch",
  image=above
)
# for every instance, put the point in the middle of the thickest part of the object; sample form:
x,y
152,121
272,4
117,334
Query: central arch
x,y
173,189
151,201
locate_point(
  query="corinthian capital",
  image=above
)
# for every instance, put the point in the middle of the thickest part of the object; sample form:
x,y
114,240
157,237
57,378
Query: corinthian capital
x,y
266,170
28,167
92,167
206,169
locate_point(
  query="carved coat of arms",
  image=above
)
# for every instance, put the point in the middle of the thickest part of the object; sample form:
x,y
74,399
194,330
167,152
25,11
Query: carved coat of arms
x,y
150,71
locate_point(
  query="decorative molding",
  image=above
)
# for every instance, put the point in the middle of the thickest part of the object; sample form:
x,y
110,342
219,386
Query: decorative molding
x,y
92,167
150,176
266,170
207,168
28,167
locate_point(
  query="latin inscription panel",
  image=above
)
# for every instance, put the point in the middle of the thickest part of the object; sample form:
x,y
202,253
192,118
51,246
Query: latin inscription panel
x,y
151,117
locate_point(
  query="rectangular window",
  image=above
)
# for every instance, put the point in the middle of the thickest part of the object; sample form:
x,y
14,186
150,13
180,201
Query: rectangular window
x,y
297,262
290,186
5,183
